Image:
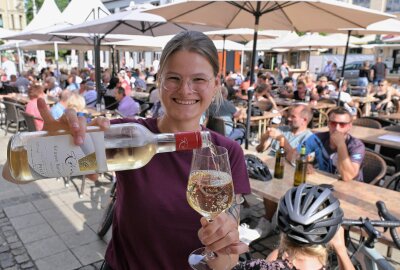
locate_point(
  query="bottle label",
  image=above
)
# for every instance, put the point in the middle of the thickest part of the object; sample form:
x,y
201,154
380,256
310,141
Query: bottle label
x,y
188,140
55,156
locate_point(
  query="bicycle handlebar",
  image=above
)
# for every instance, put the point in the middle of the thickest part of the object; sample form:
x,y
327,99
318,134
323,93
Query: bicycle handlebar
x,y
389,221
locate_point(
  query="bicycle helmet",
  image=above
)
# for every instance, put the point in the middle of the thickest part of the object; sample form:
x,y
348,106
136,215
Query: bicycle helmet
x,y
309,214
256,168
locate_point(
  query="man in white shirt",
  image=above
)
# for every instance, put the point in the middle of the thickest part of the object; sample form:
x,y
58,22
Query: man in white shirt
x,y
8,66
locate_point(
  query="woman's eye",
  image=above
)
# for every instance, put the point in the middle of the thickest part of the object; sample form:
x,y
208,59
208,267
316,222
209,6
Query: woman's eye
x,y
199,80
175,79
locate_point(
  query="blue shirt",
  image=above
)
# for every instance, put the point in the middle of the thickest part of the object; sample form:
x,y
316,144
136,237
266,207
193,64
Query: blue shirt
x,y
128,107
90,98
57,110
327,159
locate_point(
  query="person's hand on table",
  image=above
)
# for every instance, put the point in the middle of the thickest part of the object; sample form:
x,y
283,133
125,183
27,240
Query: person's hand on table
x,y
222,237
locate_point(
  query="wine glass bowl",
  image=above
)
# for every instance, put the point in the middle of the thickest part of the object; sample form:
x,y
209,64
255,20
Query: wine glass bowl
x,y
210,191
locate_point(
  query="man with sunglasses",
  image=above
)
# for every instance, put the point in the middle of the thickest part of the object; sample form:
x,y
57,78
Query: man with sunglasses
x,y
336,151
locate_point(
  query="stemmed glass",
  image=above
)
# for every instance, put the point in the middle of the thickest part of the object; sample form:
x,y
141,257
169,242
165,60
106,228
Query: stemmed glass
x,y
209,192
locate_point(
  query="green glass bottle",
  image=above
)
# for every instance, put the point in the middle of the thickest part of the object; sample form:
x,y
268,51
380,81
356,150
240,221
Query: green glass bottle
x,y
280,159
300,172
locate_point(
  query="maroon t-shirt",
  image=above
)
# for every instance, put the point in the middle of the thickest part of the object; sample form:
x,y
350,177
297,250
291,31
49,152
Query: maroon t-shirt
x,y
154,227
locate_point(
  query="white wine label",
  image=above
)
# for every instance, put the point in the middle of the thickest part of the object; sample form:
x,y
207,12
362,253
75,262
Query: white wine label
x,y
56,156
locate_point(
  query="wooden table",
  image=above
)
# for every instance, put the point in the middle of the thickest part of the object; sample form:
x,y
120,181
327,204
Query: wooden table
x,y
286,102
263,121
371,135
364,99
24,99
357,199
94,113
392,116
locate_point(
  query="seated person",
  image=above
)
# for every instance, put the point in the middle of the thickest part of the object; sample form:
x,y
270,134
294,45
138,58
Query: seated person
x,y
228,112
385,95
127,107
58,109
301,92
90,95
229,84
34,92
288,88
305,240
263,98
52,87
336,151
295,133
345,99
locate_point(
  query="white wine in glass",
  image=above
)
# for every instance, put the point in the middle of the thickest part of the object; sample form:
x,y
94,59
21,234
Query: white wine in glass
x,y
209,192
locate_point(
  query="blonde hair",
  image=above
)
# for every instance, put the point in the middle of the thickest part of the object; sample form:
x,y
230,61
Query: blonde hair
x,y
76,102
293,249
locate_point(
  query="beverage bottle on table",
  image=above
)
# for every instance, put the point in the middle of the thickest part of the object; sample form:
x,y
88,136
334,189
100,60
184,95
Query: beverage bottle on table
x,y
308,96
36,155
300,172
280,159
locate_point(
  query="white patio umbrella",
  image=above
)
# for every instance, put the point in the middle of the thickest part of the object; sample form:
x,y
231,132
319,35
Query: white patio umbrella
x,y
394,39
130,22
238,35
304,16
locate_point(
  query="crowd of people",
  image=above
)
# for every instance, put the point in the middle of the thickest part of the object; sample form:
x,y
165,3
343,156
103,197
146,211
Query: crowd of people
x,y
189,89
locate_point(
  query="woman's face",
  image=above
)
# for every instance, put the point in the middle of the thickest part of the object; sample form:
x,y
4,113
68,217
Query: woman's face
x,y
185,103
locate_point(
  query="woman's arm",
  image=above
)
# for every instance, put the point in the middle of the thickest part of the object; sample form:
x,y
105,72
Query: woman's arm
x,y
340,249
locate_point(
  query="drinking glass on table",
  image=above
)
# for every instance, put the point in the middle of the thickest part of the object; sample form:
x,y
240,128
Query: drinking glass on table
x,y
209,192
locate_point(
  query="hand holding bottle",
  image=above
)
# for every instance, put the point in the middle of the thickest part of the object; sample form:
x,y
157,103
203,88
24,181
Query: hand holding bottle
x,y
69,121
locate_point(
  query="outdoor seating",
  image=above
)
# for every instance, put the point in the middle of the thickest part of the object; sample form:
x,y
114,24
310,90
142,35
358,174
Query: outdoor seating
x,y
218,125
13,115
29,121
366,122
393,182
383,122
373,167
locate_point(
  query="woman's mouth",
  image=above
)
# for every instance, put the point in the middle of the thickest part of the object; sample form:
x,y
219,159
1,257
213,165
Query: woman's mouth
x,y
185,101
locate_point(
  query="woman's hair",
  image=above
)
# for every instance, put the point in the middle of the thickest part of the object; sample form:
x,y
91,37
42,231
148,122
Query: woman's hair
x,y
292,249
196,42
76,102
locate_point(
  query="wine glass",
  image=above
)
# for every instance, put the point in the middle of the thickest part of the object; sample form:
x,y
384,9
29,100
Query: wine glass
x,y
209,192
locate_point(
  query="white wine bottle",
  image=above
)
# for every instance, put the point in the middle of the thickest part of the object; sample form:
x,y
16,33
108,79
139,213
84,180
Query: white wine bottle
x,y
280,159
300,173
36,155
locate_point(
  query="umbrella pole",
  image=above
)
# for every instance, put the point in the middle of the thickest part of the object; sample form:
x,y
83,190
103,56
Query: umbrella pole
x,y
344,63
309,58
56,59
253,59
113,60
97,41
223,58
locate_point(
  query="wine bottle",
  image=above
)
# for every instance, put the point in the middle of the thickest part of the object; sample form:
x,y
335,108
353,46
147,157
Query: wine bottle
x,y
280,159
36,155
300,172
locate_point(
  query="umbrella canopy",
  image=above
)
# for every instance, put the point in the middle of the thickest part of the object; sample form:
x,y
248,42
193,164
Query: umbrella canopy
x,y
389,26
394,39
133,22
238,35
268,44
305,16
312,41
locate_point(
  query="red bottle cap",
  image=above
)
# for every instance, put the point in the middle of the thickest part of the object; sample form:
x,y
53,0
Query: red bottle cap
x,y
188,140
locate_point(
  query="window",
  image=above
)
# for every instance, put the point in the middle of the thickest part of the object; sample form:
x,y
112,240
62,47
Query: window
x,y
362,3
12,22
1,21
20,22
393,5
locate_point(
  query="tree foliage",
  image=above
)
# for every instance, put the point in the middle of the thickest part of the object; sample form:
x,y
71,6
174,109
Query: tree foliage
x,y
62,4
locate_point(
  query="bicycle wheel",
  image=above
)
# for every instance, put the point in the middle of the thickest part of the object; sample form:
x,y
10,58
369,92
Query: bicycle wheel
x,y
107,218
108,214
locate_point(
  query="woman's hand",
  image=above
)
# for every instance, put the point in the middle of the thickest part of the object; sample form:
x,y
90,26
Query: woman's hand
x,y
221,235
69,122
337,241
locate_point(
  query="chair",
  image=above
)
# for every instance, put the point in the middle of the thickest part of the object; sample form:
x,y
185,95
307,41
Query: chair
x,y
110,102
384,122
2,113
30,121
218,125
366,122
320,119
373,167
13,114
393,182
391,155
143,108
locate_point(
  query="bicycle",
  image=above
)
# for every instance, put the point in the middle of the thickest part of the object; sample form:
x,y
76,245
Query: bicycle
x,y
365,256
108,214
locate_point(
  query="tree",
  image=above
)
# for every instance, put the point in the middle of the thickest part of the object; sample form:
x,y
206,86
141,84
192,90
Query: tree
x,y
62,4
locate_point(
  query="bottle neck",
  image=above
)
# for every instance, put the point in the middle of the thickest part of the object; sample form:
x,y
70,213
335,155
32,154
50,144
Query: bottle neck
x,y
171,142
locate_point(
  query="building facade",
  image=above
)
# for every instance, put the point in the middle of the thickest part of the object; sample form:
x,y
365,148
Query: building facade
x,y
12,14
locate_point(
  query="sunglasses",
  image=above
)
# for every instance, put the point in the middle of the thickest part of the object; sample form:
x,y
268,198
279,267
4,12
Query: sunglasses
x,y
341,124
381,85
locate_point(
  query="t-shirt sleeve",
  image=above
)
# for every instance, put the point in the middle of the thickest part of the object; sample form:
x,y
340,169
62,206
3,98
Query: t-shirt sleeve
x,y
239,171
356,151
